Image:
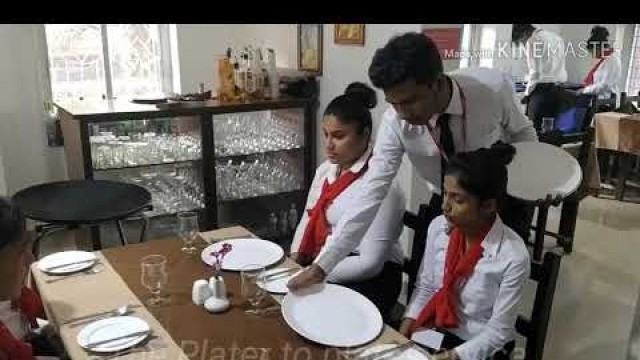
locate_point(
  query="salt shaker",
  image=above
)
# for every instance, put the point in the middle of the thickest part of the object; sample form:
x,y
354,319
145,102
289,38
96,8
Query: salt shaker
x,y
201,292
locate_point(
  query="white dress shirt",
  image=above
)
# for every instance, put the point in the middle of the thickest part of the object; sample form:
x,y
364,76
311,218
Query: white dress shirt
x,y
487,307
380,243
606,79
545,55
492,115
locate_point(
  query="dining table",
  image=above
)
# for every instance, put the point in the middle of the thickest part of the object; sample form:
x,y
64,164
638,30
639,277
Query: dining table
x,y
180,329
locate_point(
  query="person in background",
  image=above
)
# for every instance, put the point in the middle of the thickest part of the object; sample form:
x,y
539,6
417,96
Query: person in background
x,y
474,267
432,116
603,79
374,269
545,58
20,339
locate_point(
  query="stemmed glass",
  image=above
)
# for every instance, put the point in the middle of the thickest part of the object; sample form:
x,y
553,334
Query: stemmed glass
x,y
188,230
252,277
154,276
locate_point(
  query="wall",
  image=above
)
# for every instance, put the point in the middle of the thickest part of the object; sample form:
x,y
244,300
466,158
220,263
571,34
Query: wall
x,y
198,46
27,158
3,181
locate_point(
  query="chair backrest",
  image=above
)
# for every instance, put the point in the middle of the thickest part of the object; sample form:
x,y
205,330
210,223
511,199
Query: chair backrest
x,y
534,328
419,223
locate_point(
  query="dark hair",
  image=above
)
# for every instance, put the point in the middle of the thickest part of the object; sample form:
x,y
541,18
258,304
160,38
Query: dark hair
x,y
519,31
483,172
411,56
11,223
353,106
599,38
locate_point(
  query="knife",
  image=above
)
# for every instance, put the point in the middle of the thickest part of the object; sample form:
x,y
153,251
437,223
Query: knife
x,y
106,341
54,267
393,349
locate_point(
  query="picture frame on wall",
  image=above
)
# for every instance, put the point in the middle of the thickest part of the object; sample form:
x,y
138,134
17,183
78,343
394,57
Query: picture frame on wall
x,y
310,48
348,34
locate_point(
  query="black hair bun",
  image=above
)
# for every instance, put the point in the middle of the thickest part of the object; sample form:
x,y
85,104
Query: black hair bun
x,y
599,33
502,153
362,93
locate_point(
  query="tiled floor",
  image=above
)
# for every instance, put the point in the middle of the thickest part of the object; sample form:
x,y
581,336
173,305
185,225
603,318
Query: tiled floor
x,y
595,313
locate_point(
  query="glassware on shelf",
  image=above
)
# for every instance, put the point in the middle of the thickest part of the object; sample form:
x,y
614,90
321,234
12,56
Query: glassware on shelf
x,y
258,175
110,151
255,132
173,188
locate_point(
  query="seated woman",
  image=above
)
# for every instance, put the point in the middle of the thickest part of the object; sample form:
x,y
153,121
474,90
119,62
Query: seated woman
x,y
19,305
604,77
374,269
474,267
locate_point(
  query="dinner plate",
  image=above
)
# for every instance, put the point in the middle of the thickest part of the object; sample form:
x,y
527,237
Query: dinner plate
x,y
245,253
116,328
332,315
66,262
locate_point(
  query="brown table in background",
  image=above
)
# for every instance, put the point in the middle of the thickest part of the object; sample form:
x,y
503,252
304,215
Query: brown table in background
x,y
200,335
619,132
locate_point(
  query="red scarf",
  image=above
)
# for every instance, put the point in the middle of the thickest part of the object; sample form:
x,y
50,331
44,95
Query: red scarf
x,y
588,80
458,266
31,306
317,228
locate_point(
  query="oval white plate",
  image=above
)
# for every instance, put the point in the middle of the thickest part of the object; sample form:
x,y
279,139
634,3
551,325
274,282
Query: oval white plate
x,y
332,315
408,354
112,328
278,283
245,252
539,169
78,260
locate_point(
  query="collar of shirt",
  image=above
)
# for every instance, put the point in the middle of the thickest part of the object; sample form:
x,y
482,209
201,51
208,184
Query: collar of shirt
x,y
493,240
455,104
357,166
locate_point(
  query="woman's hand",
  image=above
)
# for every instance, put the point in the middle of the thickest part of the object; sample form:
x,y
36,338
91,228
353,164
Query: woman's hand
x,y
446,355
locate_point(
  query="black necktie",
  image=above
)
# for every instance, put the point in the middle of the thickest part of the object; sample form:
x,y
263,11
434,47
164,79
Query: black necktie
x,y
446,142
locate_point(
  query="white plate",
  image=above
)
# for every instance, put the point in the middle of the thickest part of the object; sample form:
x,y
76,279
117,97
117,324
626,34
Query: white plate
x,y
245,252
409,354
81,260
539,169
277,284
111,328
332,315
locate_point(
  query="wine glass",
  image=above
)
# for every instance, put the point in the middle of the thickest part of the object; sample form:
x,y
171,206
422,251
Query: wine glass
x,y
252,277
154,276
188,230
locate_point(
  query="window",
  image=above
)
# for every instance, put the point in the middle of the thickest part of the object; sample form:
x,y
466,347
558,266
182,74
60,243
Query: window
x,y
633,77
108,61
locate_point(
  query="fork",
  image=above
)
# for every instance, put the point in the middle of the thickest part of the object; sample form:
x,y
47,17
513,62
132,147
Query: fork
x,y
136,349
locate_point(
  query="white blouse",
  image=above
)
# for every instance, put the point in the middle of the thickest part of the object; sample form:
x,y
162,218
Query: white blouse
x,y
13,320
488,299
606,79
380,243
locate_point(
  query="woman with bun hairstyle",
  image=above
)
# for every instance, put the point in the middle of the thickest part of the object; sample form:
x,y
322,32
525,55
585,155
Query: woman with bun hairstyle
x,y
475,267
374,269
604,77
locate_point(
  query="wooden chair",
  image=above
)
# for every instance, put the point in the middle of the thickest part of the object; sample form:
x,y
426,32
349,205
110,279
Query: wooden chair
x,y
534,328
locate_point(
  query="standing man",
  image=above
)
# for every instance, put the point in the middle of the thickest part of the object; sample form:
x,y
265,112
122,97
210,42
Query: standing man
x,y
432,116
545,57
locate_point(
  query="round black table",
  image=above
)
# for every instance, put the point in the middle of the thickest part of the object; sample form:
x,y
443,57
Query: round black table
x,y
75,203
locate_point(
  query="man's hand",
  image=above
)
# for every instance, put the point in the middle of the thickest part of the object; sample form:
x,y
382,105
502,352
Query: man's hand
x,y
524,100
406,326
309,276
